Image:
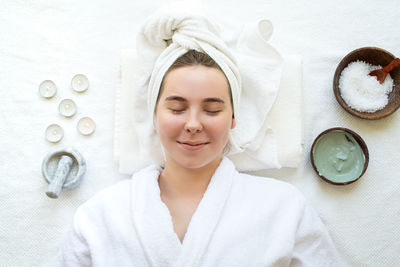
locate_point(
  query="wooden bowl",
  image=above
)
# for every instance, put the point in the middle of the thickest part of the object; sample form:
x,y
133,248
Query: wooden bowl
x,y
374,56
360,142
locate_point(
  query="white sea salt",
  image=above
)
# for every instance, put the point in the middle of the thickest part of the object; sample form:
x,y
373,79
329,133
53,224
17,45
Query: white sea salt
x,y
361,91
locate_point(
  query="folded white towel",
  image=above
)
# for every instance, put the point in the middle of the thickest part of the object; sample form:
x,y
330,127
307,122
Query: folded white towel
x,y
286,115
285,120
252,66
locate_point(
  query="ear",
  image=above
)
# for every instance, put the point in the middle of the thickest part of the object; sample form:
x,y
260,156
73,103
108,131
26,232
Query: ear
x,y
233,123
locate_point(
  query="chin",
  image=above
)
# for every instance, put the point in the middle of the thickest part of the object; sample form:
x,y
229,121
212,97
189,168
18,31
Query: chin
x,y
193,163
196,162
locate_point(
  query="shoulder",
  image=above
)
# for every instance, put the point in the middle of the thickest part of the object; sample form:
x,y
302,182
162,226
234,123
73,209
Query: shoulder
x,y
267,202
123,187
114,191
110,198
116,197
262,189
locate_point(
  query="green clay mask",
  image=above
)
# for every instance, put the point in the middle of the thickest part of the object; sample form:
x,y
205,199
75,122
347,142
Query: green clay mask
x,y
338,157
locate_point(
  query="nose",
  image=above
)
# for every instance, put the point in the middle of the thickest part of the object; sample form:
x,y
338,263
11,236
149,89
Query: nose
x,y
193,123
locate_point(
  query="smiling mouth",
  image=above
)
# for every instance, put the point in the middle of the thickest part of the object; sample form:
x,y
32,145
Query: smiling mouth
x,y
192,146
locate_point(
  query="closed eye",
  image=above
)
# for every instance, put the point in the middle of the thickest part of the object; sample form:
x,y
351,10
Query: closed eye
x,y
176,111
213,111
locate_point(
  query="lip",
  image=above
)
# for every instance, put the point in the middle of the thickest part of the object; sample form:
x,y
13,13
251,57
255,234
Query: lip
x,y
192,145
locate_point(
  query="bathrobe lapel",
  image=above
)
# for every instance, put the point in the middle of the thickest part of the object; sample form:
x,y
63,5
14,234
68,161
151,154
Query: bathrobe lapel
x,y
207,215
152,220
154,225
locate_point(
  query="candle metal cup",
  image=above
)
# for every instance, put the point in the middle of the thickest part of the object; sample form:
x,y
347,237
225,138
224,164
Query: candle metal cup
x,y
47,89
359,141
86,126
80,83
373,56
67,108
54,133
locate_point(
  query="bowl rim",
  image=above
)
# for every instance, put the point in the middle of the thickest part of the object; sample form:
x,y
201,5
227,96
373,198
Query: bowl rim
x,y
336,90
359,140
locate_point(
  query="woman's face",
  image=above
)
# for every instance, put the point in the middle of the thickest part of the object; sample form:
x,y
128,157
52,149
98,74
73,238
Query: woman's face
x,y
194,116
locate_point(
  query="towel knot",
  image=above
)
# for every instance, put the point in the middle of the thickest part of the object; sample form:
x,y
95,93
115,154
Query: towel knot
x,y
170,34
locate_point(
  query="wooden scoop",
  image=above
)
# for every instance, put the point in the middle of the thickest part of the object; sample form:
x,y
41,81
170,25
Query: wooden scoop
x,y
382,73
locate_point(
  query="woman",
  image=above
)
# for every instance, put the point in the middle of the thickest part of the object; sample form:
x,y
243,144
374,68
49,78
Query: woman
x,y
197,210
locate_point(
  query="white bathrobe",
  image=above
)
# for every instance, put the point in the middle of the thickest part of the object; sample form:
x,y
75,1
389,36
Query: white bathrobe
x,y
242,220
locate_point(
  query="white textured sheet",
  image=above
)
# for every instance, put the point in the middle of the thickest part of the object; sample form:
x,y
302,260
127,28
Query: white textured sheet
x,y
57,39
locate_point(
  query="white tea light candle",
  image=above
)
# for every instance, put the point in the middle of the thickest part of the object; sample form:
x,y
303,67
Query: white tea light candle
x,y
67,107
80,83
54,133
86,126
47,89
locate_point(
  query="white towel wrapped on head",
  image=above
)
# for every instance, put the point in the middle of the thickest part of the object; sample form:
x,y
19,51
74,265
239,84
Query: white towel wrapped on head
x,y
252,67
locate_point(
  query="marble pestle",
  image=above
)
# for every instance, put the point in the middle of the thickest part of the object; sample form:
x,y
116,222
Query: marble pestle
x,y
62,171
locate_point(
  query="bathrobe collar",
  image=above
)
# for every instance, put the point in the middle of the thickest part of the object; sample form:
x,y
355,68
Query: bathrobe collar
x,y
153,222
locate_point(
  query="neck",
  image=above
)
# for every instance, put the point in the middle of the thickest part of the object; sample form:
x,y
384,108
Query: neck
x,y
177,181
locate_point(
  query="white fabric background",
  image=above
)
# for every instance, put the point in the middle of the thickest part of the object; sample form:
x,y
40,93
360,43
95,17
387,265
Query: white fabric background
x,y
57,39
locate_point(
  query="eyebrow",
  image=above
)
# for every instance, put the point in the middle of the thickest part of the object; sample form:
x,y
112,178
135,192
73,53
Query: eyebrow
x,y
214,99
175,98
208,100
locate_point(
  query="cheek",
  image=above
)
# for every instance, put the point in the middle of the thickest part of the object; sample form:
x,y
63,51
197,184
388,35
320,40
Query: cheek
x,y
168,125
219,128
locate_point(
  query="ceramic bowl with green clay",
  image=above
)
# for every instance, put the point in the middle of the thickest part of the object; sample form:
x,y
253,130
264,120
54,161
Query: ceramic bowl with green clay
x,y
339,156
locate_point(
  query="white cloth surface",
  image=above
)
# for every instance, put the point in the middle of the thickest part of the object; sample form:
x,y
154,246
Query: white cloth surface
x,y
55,40
242,220
284,134
252,66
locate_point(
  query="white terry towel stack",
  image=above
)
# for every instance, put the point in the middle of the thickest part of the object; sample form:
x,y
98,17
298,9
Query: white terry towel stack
x,y
266,90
